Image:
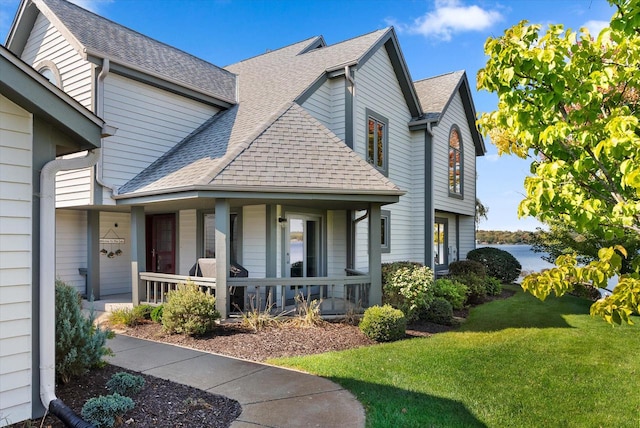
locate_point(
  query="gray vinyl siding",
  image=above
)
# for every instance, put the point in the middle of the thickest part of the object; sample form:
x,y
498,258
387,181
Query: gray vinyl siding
x,y
71,247
254,240
454,115
336,243
74,188
150,121
467,235
327,105
378,90
15,262
47,43
115,273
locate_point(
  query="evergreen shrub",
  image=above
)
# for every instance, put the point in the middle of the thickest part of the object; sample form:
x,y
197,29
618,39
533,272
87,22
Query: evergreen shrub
x,y
80,345
440,312
498,263
156,314
463,267
383,323
125,384
106,411
189,311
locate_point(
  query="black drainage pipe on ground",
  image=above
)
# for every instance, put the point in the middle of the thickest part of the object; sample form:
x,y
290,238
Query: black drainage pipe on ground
x,y
67,416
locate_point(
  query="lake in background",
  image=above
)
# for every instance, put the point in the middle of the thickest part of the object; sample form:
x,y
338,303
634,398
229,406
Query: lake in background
x,y
530,261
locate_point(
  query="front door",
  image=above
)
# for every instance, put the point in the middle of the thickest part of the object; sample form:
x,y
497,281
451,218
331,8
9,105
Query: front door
x,y
161,243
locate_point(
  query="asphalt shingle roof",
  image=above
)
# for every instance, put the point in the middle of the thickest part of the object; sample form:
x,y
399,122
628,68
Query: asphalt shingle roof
x,y
435,92
258,142
128,47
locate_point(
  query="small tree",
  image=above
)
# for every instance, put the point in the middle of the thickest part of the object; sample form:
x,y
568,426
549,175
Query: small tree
x,y
570,102
80,345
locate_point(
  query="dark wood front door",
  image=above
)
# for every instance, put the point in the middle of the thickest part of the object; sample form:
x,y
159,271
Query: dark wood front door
x,y
161,243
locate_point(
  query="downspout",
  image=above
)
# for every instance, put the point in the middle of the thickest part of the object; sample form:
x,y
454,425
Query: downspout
x,y
47,284
429,209
100,113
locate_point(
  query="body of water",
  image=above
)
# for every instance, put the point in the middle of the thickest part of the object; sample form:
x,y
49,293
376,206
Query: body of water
x,y
530,261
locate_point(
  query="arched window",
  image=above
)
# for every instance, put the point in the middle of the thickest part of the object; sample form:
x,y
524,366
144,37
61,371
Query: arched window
x,y
49,70
455,162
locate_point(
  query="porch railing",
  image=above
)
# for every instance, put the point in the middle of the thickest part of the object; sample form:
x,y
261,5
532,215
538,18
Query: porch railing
x,y
155,286
339,295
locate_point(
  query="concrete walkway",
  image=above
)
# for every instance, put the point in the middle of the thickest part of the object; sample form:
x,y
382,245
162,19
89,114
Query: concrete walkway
x,y
270,396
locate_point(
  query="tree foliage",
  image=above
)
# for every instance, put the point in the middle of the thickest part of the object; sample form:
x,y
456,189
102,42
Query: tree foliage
x,y
569,101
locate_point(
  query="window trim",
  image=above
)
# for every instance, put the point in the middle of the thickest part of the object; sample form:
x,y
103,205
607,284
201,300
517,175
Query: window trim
x,y
385,220
51,66
370,114
460,193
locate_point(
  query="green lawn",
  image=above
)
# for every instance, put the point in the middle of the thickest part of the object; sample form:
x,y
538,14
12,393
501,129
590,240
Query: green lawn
x,y
517,362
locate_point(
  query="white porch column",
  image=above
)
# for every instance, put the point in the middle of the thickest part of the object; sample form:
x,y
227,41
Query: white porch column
x,y
222,256
138,252
375,255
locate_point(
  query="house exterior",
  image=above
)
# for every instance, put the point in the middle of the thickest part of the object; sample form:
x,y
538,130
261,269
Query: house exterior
x,y
301,169
37,123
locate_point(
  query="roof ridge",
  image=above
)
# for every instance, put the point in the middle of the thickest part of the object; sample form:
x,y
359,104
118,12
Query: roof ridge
x,y
440,75
111,22
270,51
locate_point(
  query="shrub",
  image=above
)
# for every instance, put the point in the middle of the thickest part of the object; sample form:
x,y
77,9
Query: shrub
x,y
126,384
125,316
493,286
383,323
410,289
453,291
498,263
143,311
156,314
80,345
388,269
476,289
440,312
463,267
106,410
189,311
586,291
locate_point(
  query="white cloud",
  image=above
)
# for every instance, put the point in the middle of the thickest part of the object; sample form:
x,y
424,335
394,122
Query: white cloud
x,y
595,27
450,17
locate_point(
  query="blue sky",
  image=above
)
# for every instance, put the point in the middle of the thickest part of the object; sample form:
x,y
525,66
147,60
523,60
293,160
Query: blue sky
x,y
435,36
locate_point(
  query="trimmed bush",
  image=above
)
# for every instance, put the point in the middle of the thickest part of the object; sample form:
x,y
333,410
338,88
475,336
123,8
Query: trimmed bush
x,y
439,312
106,410
189,311
383,323
476,289
80,345
156,314
125,384
498,263
451,290
463,267
409,289
493,286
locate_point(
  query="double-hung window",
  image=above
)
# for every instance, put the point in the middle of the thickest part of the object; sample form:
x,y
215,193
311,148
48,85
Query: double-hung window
x,y
377,141
455,163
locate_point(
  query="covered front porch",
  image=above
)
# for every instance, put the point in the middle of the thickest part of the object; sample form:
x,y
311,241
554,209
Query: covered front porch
x,y
321,249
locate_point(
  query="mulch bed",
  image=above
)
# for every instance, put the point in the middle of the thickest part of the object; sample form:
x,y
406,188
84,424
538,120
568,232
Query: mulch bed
x,y
166,404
